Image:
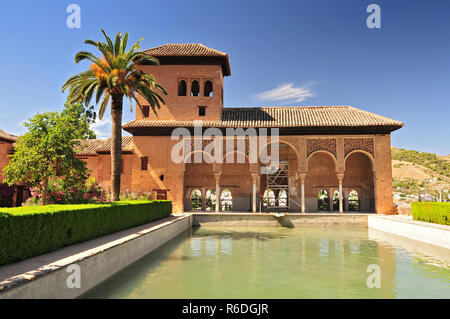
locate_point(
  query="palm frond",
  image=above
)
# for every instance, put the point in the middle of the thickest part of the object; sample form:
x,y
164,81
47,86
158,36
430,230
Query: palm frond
x,y
103,106
115,74
123,45
108,39
117,44
89,92
100,89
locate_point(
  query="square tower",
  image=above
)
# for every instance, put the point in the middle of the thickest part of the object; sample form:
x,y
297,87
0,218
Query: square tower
x,y
192,75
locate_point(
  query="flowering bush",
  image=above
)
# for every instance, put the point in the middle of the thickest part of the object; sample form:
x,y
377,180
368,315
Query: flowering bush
x,y
95,192
69,190
6,195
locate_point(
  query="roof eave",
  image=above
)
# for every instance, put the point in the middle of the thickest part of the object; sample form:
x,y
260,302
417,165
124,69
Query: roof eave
x,y
137,130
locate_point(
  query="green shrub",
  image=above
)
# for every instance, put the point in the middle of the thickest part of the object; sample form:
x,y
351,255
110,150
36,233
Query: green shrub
x,y
431,212
33,230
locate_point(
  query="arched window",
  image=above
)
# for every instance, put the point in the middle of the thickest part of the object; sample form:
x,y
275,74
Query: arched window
x,y
196,199
269,198
208,88
226,200
195,88
323,200
282,198
182,88
353,201
211,200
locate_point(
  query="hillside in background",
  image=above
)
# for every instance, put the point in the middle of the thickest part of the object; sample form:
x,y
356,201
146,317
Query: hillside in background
x,y
415,173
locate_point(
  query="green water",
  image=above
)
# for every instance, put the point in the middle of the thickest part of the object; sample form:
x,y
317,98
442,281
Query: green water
x,y
279,262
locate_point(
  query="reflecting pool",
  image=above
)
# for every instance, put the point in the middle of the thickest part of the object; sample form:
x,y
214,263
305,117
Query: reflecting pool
x,y
278,262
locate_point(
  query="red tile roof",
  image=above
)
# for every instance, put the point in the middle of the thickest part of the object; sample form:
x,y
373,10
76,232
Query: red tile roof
x,y
295,116
7,137
184,49
189,50
94,147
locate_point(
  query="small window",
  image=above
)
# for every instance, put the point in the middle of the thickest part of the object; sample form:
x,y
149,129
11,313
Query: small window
x,y
146,111
144,163
161,178
208,88
182,88
195,88
201,110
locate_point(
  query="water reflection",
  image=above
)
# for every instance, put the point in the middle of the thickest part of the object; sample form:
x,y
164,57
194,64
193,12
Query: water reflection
x,y
226,246
211,246
278,263
196,246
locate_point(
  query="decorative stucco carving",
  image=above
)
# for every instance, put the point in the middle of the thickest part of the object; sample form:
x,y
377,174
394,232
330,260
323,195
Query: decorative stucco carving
x,y
320,144
231,145
359,143
228,145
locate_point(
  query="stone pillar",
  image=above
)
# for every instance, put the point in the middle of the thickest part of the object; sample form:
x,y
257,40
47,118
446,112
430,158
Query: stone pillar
x,y
330,199
340,177
255,179
203,199
302,180
217,177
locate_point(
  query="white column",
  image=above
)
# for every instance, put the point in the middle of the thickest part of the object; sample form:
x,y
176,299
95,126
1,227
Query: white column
x,y
330,199
255,178
254,197
340,178
217,176
302,177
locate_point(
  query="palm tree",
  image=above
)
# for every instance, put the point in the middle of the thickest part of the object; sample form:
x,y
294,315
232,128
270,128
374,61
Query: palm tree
x,y
111,77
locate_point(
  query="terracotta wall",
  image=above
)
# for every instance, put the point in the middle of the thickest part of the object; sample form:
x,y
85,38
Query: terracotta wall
x,y
372,181
186,107
101,169
383,174
162,172
5,148
21,192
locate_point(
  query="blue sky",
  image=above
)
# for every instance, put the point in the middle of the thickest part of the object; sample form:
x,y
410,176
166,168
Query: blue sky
x,y
318,52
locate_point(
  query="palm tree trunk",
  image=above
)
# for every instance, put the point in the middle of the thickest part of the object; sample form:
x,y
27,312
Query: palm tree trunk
x,y
116,145
44,191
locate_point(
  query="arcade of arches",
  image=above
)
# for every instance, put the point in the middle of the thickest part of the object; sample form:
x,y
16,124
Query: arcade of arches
x,y
308,180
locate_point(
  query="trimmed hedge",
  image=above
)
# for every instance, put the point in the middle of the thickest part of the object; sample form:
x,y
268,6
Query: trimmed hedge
x,y
33,230
431,212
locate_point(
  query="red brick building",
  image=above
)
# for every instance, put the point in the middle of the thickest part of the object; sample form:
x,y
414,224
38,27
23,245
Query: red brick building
x,y
9,196
334,158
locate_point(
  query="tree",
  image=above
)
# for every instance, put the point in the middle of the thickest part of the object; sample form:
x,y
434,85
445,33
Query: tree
x,y
112,76
48,148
